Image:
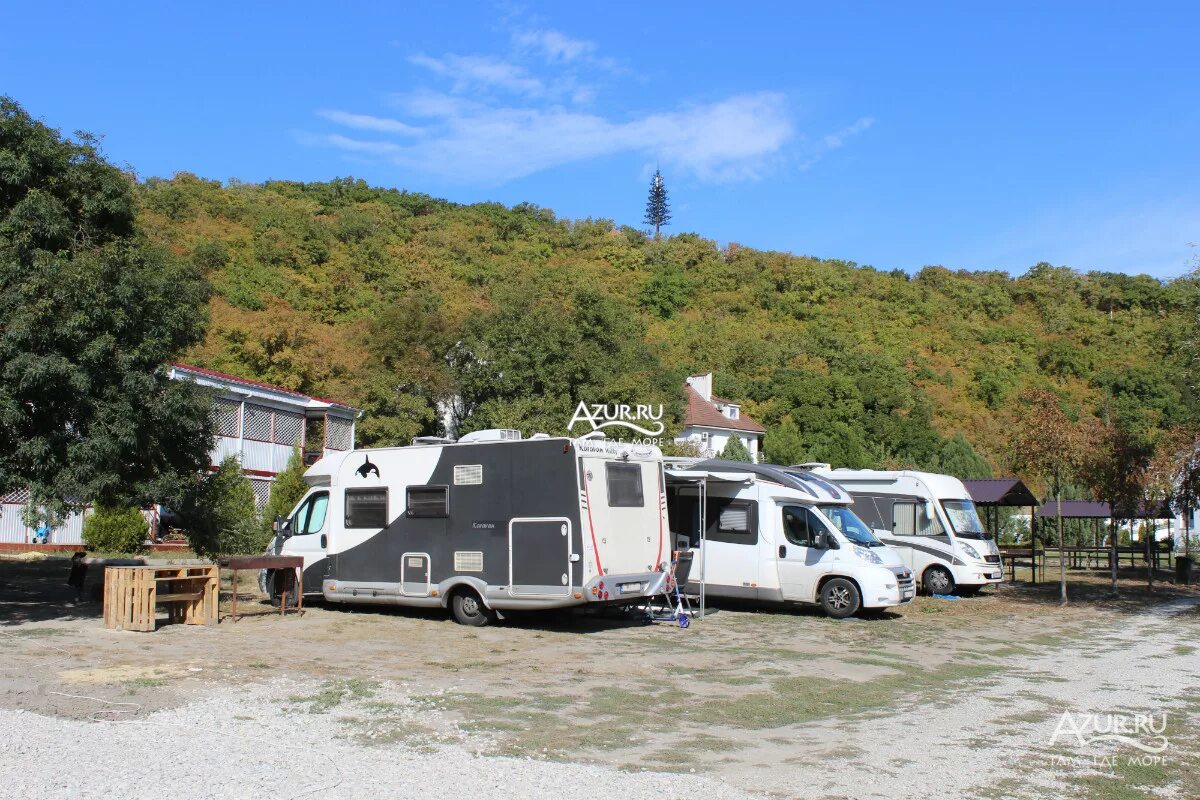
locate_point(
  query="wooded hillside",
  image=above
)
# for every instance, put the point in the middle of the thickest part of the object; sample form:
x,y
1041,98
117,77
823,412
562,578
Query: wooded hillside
x,y
394,300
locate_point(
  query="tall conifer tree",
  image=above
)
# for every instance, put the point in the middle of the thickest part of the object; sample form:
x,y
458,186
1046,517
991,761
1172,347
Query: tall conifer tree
x,y
658,210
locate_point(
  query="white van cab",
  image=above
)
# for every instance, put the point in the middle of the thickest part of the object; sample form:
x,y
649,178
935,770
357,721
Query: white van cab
x,y
931,521
758,532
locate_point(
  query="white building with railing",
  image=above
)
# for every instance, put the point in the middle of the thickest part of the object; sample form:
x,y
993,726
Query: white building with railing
x,y
258,423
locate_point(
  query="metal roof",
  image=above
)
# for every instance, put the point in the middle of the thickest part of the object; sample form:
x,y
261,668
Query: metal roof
x,y
1000,492
1089,509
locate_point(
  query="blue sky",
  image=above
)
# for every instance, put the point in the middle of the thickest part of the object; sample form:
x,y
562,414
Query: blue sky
x,y
896,135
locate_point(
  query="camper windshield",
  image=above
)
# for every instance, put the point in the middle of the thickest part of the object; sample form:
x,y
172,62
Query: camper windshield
x,y
964,519
850,525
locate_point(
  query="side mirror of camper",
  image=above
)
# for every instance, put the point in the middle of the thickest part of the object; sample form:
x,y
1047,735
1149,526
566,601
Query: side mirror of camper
x,y
821,540
277,525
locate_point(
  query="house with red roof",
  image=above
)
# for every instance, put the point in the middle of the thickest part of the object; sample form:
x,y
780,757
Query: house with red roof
x,y
711,421
262,424
258,423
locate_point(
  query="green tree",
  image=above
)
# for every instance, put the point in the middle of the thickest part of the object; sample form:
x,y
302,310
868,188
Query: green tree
x,y
1050,447
734,450
111,529
783,444
958,458
1116,471
658,210
219,515
286,490
90,312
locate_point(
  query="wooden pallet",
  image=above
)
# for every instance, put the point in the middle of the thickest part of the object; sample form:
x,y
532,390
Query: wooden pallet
x,y
132,595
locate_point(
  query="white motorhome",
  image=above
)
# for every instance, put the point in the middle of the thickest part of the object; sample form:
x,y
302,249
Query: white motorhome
x,y
931,521
490,523
758,532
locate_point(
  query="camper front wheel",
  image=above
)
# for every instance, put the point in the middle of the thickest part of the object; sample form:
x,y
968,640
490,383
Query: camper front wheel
x,y
938,580
468,609
840,598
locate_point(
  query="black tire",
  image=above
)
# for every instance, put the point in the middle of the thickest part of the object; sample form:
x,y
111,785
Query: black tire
x,y
468,609
840,598
275,582
937,580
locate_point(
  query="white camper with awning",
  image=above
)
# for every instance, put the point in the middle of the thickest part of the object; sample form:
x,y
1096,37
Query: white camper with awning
x,y
760,533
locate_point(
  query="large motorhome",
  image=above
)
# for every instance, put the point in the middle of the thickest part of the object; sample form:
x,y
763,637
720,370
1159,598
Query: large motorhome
x,y
930,519
778,537
488,524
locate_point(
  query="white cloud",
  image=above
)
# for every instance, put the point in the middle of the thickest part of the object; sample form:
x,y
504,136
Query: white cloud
x,y
731,139
366,122
497,119
469,72
833,141
555,46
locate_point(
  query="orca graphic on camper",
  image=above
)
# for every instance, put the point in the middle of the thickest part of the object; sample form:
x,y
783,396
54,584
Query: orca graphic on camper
x,y
487,524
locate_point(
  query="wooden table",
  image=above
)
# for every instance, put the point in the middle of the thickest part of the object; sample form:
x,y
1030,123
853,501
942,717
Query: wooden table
x,y
132,595
285,567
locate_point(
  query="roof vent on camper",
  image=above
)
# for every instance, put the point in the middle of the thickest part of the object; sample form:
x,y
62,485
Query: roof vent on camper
x,y
432,440
814,466
492,435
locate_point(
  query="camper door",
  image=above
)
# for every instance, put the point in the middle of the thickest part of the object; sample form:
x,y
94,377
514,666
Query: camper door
x,y
624,513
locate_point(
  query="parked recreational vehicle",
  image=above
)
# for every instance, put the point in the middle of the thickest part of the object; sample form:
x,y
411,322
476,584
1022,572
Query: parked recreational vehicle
x,y
774,536
930,519
487,524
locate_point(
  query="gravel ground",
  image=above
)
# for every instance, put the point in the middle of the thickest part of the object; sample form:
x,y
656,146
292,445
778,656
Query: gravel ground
x,y
996,741
256,742
342,703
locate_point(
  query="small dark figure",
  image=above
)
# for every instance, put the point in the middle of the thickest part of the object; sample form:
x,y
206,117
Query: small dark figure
x,y
78,575
367,468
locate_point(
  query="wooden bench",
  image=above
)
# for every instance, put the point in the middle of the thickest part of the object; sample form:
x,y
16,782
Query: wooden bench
x,y
132,595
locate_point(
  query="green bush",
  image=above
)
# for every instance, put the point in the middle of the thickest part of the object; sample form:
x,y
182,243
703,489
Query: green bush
x,y
115,530
734,450
220,517
286,491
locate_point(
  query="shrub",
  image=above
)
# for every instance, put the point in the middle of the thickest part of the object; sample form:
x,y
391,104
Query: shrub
x,y
115,530
286,491
734,450
220,516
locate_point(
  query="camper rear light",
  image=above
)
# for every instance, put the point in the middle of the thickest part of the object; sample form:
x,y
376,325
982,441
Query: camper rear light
x,y
606,595
601,585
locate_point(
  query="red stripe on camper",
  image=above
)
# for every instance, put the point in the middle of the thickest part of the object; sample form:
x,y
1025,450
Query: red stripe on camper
x,y
587,498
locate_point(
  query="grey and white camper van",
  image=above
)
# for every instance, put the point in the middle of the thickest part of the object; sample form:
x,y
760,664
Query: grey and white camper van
x,y
930,519
760,532
490,523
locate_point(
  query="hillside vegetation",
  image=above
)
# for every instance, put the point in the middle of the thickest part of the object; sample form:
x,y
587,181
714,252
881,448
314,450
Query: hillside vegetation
x,y
395,301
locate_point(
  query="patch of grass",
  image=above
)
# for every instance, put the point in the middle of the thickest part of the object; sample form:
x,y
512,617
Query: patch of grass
x,y
35,633
145,683
333,693
1183,649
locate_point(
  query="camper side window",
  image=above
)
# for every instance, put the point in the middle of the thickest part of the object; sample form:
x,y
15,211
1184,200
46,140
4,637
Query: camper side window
x,y
732,521
910,519
366,508
428,501
624,485
799,527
